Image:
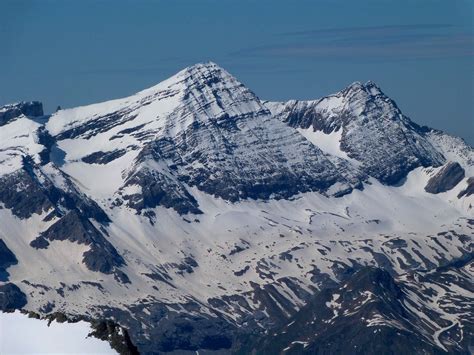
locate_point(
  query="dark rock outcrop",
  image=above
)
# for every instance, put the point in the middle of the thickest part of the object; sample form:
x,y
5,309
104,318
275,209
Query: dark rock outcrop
x,y
7,258
117,336
30,197
446,178
103,157
11,297
31,109
158,189
101,257
469,190
28,191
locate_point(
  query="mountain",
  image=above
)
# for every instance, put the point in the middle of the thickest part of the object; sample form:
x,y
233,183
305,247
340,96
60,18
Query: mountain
x,y
193,216
372,130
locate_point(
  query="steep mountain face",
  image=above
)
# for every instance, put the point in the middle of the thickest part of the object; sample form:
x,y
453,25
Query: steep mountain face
x,y
447,178
200,218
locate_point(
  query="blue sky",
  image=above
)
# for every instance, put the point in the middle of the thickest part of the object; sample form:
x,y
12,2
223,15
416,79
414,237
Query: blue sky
x,y
420,52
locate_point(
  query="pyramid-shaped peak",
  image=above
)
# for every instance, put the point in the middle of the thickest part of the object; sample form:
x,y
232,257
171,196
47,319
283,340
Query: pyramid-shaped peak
x,y
208,72
367,89
204,66
197,75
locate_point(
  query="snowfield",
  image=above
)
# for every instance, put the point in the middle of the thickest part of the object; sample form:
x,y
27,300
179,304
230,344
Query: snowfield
x,y
22,335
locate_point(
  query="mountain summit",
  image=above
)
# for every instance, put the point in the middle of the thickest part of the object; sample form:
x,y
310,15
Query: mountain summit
x,y
194,216
372,128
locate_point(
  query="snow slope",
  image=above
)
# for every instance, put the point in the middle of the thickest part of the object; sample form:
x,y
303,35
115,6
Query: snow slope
x,y
22,335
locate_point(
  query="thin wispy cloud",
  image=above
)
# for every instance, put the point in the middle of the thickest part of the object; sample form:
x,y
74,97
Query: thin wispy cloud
x,y
374,42
369,29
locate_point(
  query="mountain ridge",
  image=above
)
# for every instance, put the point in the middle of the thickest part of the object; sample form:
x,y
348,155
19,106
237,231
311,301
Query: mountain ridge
x,y
194,215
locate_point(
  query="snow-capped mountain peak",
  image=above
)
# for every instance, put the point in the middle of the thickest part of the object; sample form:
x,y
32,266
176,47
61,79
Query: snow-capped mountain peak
x,y
370,88
373,130
195,94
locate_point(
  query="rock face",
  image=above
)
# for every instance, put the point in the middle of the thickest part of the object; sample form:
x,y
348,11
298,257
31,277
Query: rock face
x,y
11,297
7,258
28,199
157,189
101,256
118,337
367,314
374,130
448,177
36,191
103,158
202,219
10,112
469,190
